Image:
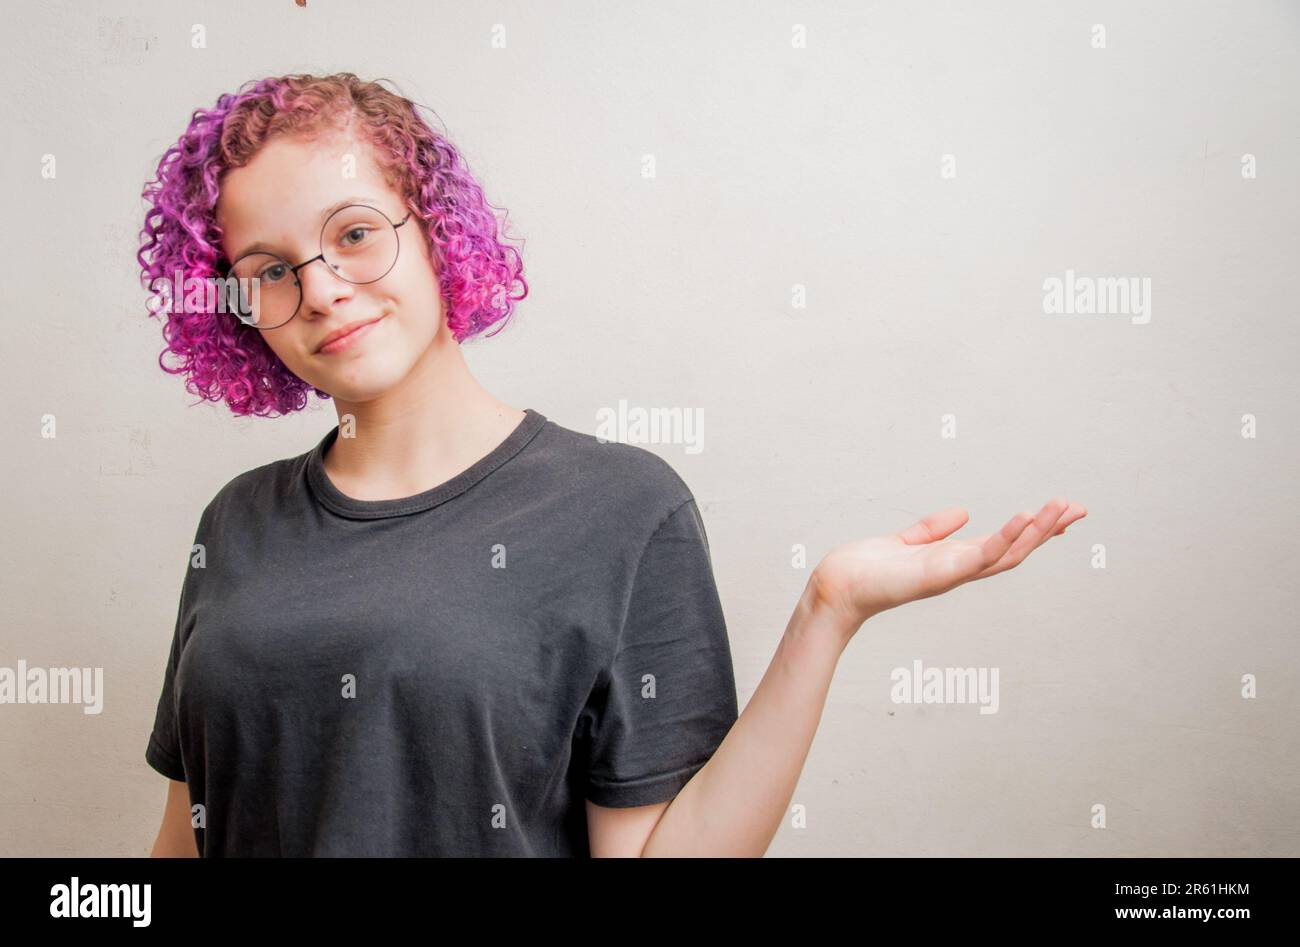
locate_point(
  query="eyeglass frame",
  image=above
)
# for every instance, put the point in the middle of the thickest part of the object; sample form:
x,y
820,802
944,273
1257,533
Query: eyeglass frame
x,y
320,242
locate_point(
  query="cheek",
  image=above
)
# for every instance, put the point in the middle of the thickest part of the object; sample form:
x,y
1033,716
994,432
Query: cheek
x,y
291,349
419,298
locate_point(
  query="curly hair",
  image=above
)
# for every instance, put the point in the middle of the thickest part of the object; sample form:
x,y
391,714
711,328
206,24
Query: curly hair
x,y
226,359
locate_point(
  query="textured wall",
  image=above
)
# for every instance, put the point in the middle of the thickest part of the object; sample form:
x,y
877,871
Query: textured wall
x,y
808,272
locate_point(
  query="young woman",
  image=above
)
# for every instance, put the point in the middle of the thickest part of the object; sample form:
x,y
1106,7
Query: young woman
x,y
453,627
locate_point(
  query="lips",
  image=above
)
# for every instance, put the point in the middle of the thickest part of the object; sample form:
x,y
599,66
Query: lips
x,y
345,337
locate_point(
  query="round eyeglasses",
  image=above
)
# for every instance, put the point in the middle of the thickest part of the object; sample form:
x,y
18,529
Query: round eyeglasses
x,y
358,243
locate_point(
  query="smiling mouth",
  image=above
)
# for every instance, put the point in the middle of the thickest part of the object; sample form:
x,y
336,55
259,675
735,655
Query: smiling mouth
x,y
349,337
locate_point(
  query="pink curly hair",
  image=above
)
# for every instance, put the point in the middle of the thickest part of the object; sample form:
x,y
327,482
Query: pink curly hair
x,y
226,359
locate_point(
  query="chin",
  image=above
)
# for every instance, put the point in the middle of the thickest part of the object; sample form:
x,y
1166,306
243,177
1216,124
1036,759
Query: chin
x,y
360,382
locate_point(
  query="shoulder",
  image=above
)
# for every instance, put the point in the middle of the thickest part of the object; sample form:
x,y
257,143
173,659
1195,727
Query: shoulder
x,y
608,475
260,487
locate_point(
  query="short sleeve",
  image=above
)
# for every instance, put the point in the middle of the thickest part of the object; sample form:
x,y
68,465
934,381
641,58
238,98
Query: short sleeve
x,y
670,694
163,751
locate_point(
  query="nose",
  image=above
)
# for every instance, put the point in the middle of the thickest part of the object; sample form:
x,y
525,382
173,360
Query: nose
x,y
321,287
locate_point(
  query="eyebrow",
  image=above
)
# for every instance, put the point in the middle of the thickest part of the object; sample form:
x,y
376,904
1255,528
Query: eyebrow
x,y
262,247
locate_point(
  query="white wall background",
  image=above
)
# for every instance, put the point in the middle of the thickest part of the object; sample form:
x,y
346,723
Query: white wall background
x,y
776,166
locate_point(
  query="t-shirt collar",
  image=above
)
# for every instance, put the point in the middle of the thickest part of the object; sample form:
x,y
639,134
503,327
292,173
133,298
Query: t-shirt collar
x,y
336,501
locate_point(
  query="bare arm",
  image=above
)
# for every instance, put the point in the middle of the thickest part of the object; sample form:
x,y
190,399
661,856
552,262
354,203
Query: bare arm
x,y
175,835
734,805
614,832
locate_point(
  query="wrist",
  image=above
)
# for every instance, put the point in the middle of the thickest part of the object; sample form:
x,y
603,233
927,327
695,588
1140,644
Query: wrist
x,y
818,616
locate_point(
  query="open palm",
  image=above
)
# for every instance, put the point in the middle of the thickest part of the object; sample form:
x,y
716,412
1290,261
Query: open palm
x,y
866,577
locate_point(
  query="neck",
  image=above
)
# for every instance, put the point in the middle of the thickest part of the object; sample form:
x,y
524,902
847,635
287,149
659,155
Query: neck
x,y
420,434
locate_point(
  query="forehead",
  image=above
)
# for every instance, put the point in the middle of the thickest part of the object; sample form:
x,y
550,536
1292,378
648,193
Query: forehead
x,y
279,195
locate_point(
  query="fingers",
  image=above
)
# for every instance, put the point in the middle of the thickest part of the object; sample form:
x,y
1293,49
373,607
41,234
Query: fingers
x,y
995,545
1075,513
935,526
1031,537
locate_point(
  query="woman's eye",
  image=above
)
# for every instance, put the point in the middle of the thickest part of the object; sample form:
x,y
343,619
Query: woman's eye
x,y
354,236
273,273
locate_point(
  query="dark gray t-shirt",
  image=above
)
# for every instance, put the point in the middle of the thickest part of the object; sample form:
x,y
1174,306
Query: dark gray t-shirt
x,y
451,673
